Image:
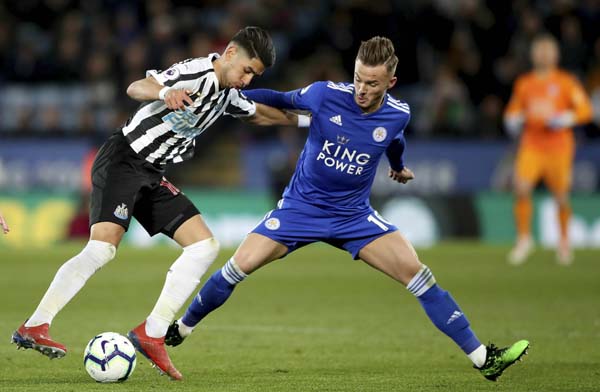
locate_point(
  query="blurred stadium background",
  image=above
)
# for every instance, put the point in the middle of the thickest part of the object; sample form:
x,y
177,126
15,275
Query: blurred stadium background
x,y
65,66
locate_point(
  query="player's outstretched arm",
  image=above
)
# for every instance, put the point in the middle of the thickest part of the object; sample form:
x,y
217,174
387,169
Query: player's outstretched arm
x,y
273,98
148,89
266,115
4,225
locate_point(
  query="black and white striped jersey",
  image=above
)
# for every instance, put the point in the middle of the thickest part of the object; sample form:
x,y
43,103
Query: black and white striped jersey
x,y
161,135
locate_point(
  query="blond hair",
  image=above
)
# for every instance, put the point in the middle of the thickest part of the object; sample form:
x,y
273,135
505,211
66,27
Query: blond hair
x,y
378,51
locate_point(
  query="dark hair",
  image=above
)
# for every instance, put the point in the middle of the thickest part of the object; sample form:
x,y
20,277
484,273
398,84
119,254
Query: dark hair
x,y
377,51
257,43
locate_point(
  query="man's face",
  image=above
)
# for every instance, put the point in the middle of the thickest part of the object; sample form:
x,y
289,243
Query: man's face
x,y
240,68
544,54
370,84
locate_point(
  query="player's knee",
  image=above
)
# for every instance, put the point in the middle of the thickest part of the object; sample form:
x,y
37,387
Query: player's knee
x,y
93,257
410,271
243,264
100,252
421,282
519,191
245,261
522,189
204,250
107,232
242,259
562,199
197,258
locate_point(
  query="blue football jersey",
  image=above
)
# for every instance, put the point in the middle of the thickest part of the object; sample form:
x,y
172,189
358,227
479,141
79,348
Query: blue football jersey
x,y
338,163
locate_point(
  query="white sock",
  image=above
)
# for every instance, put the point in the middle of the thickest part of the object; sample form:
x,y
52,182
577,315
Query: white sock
x,y
184,330
421,282
478,356
182,279
69,279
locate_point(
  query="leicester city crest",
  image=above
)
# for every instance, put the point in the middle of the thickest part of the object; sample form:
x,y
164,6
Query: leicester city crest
x,y
379,134
272,224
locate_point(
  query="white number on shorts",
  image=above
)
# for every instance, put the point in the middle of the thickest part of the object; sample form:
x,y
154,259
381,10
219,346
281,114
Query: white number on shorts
x,y
379,223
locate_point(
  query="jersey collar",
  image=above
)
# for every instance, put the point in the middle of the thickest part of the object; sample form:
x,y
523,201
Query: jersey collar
x,y
359,110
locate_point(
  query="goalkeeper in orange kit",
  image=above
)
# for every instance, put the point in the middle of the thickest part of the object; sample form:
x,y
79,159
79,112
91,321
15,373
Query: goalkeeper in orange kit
x,y
545,105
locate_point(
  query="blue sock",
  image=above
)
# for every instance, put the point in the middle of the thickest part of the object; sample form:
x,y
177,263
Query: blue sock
x,y
442,310
214,293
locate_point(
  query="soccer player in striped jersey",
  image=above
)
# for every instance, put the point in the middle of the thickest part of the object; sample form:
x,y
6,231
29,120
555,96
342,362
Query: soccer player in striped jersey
x,y
352,127
128,180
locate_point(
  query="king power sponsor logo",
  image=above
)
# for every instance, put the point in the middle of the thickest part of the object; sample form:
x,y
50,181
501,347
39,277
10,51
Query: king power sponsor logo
x,y
343,159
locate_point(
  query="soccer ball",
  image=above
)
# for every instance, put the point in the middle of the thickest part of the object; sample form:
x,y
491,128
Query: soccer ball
x,y
109,357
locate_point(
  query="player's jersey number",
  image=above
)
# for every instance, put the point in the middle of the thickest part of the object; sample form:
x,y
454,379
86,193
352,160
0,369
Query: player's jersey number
x,y
379,221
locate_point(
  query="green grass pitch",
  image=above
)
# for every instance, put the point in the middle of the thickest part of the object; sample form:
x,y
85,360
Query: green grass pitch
x,y
319,321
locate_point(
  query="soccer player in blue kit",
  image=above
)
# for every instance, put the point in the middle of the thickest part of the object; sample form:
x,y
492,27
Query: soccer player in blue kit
x,y
327,200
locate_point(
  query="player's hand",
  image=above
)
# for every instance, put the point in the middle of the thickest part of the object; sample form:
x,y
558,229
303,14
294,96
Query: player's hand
x,y
4,225
402,176
177,98
514,125
562,120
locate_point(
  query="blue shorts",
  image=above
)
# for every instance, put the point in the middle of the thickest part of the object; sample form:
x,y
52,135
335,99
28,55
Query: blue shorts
x,y
295,224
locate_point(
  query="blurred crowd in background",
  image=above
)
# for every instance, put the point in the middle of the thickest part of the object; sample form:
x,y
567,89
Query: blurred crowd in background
x,y
65,64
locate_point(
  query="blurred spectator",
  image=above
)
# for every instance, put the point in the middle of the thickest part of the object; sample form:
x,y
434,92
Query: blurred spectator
x,y
103,45
489,117
572,47
447,110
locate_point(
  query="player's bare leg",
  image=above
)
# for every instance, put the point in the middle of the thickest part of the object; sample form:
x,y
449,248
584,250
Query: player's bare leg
x,y
107,232
254,252
200,249
522,210
69,279
564,254
191,231
257,251
395,256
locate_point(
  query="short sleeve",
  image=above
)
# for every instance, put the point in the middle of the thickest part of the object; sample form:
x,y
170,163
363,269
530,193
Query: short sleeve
x,y
239,105
403,114
186,74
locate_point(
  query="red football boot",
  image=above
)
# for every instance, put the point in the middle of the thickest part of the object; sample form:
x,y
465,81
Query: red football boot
x,y
38,339
154,350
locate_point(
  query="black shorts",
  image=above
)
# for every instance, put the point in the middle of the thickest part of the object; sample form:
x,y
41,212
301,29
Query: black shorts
x,y
125,185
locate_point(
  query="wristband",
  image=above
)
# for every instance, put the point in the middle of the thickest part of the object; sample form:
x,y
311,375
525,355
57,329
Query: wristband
x,y
163,92
303,121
